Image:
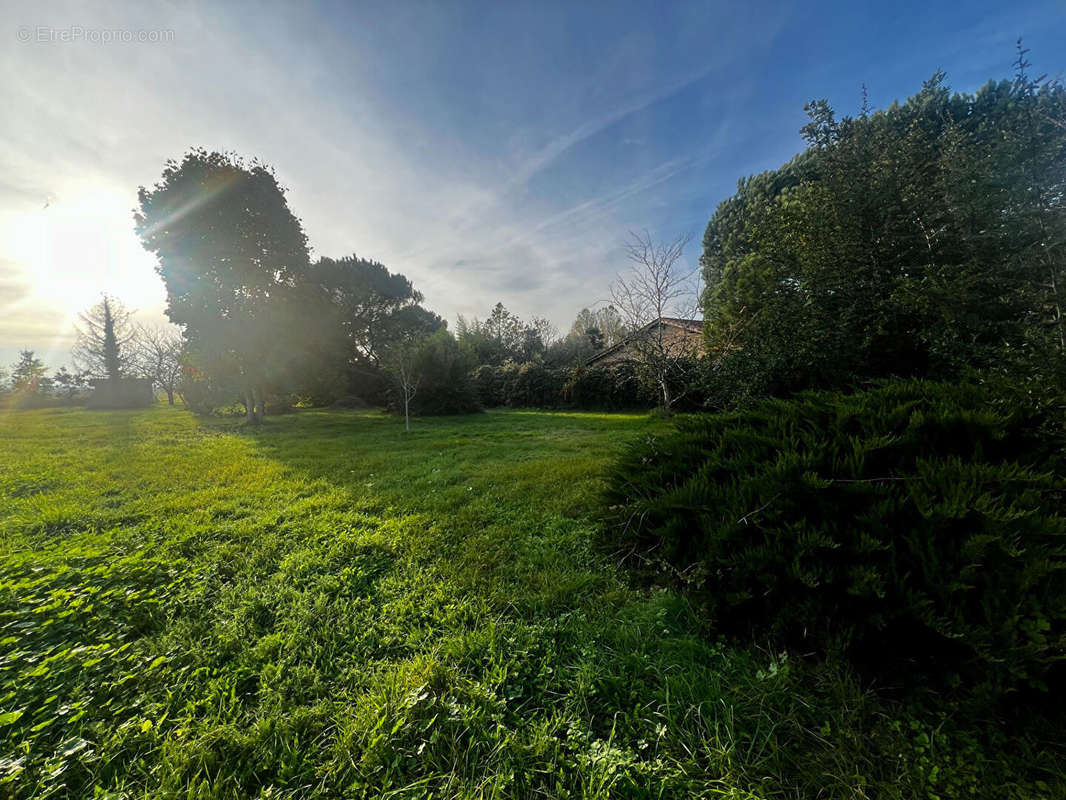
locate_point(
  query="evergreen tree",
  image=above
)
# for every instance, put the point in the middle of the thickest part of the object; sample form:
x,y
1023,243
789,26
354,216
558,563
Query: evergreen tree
x,y
29,375
102,346
925,239
69,383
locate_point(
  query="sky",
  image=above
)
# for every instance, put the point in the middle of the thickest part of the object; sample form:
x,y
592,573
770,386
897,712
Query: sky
x,y
490,151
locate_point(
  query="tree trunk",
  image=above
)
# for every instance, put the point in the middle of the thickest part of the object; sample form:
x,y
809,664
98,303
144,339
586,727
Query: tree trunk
x,y
406,412
170,395
249,407
258,410
667,399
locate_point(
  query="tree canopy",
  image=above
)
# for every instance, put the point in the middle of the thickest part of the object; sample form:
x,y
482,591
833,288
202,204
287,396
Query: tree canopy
x,y
374,306
925,239
231,254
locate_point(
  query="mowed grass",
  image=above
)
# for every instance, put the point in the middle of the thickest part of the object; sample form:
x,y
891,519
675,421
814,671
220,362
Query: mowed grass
x,y
329,607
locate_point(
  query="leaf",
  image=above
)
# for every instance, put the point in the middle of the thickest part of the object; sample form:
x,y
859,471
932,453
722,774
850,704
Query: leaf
x,y
72,746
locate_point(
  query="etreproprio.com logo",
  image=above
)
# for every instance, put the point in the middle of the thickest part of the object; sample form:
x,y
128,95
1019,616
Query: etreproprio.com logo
x,y
42,34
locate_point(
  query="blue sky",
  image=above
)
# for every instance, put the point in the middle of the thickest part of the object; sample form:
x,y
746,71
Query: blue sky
x,y
490,151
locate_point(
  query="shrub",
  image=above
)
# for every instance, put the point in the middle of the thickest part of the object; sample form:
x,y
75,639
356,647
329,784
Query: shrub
x,y
445,386
609,388
915,520
488,382
535,386
28,401
203,393
617,387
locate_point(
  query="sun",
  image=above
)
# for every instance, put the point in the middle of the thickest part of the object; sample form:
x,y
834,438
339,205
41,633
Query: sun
x,y
78,244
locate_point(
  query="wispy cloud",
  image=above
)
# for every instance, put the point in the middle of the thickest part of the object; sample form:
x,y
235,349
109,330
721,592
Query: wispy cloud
x,y
501,155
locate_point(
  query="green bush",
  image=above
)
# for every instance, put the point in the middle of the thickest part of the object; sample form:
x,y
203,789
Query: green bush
x,y
445,386
536,386
610,388
916,522
202,392
622,386
489,384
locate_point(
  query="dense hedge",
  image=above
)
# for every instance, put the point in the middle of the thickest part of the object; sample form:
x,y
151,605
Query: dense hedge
x,y
529,385
615,388
916,521
537,385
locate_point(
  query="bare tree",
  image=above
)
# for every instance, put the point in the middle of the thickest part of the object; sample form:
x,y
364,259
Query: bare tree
x,y
545,329
158,353
597,329
658,285
610,325
402,362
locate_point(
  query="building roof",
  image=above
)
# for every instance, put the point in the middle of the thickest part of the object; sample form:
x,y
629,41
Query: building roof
x,y
690,325
687,325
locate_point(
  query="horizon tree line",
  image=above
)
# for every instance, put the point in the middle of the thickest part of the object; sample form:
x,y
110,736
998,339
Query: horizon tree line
x,y
261,319
927,239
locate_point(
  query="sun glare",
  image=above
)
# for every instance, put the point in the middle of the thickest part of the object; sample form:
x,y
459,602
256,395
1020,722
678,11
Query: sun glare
x,y
77,245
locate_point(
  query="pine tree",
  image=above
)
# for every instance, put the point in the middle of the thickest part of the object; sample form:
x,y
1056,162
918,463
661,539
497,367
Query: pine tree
x,y
28,374
103,339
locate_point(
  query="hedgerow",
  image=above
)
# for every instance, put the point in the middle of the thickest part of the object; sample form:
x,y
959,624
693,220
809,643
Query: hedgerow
x,y
535,385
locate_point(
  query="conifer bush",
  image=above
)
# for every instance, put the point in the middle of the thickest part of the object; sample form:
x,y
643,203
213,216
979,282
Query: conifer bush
x,y
917,521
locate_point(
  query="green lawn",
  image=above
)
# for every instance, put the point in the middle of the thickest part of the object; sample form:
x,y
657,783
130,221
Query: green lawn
x,y
327,607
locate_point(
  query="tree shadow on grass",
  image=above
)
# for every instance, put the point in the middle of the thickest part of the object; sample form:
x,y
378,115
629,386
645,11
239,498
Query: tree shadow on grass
x,y
502,501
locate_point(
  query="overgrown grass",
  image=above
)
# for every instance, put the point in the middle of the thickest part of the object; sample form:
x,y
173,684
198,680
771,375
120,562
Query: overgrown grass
x,y
327,607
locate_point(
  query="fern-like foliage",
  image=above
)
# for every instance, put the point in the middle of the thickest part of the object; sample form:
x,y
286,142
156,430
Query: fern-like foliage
x,y
919,520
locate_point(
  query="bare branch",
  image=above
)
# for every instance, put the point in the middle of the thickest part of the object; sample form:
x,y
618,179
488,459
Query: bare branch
x,y
658,285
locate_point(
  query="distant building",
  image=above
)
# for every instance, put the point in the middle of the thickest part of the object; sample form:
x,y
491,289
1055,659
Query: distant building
x,y
121,393
680,337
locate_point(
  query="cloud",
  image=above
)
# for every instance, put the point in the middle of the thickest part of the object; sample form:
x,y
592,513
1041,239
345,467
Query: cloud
x,y
27,326
14,289
356,121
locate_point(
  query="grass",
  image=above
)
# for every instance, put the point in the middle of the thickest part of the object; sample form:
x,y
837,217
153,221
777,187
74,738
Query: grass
x,y
327,607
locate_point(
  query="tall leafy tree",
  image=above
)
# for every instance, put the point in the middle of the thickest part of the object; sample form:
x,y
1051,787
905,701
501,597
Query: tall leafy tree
x,y
374,307
503,336
364,310
590,332
232,256
925,239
